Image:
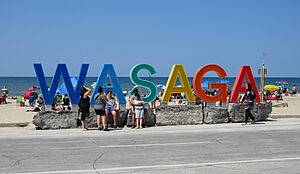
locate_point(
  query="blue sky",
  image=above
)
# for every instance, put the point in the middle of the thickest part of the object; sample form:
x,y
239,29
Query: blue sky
x,y
158,32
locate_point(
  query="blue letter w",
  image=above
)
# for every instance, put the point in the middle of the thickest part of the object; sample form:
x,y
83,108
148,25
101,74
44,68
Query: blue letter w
x,y
61,70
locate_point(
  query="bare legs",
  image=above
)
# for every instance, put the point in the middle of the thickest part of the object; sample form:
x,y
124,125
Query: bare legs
x,y
114,114
83,125
139,123
99,121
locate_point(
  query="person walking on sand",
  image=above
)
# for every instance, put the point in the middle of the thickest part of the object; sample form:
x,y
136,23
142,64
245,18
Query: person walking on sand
x,y
248,100
100,103
84,105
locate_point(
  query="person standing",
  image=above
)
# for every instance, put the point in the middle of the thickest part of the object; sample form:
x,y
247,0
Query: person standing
x,y
84,105
128,110
139,111
131,99
248,100
294,90
111,109
100,103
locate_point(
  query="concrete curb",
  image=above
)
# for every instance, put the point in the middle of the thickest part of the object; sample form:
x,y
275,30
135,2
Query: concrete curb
x,y
24,124
284,116
21,124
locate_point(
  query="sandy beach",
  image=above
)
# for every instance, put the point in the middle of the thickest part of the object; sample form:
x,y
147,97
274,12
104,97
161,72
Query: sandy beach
x,y
13,115
293,109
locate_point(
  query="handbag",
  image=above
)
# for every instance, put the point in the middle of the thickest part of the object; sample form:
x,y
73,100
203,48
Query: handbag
x,y
78,119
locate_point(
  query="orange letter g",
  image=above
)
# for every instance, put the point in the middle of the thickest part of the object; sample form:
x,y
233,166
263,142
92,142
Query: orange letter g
x,y
222,94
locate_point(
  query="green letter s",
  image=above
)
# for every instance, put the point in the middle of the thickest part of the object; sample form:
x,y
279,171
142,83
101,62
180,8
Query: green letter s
x,y
144,83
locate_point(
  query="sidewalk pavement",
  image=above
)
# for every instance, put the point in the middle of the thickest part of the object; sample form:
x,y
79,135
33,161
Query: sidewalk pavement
x,y
12,115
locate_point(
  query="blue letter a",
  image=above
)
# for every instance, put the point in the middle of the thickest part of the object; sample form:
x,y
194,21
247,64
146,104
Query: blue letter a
x,y
61,70
108,70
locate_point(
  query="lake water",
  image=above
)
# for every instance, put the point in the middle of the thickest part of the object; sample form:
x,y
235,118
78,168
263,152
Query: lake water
x,y
17,85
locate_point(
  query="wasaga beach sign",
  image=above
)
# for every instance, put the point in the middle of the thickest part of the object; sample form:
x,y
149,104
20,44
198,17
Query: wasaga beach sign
x,y
177,71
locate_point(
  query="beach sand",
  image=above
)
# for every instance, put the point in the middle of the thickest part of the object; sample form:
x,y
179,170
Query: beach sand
x,y
13,115
293,109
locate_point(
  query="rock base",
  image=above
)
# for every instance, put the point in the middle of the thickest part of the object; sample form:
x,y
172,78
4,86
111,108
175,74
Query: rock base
x,y
260,112
68,119
179,115
216,115
164,115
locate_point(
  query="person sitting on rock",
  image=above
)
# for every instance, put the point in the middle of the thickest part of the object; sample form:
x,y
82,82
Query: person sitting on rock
x,y
66,102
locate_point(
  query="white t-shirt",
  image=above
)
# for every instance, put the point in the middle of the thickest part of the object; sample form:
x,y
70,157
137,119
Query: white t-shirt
x,y
110,103
140,107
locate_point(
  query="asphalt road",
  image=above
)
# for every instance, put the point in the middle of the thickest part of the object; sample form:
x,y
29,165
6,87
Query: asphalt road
x,y
268,147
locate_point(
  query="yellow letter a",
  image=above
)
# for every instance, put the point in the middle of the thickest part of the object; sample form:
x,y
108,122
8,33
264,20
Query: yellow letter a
x,y
178,71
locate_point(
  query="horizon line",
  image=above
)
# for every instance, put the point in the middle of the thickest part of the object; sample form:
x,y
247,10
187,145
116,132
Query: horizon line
x,y
156,76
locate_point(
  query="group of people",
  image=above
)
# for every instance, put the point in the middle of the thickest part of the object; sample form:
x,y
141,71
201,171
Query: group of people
x,y
106,103
61,102
278,94
36,102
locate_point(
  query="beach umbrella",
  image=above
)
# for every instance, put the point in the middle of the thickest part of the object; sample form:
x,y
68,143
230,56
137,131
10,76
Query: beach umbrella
x,y
204,84
27,94
282,82
93,85
271,87
63,90
32,88
161,86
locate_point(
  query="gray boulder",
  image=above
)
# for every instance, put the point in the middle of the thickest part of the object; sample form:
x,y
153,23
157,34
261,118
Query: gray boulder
x,y
149,119
68,119
261,111
215,115
179,115
55,120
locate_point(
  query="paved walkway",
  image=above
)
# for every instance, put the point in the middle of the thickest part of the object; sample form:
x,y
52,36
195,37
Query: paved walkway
x,y
269,147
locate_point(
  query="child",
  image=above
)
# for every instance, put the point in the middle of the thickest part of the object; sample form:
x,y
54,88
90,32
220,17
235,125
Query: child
x,y
139,111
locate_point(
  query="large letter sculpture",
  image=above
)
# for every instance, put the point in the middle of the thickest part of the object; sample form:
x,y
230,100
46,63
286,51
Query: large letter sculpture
x,y
144,83
178,71
109,71
61,70
222,94
245,73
